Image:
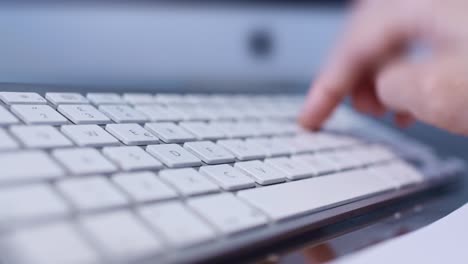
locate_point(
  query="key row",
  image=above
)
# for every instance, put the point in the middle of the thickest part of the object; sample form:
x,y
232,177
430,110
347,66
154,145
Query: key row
x,y
281,143
157,227
75,107
10,98
85,161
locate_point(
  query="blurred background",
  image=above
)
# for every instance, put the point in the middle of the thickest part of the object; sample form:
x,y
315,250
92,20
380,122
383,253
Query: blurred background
x,y
177,46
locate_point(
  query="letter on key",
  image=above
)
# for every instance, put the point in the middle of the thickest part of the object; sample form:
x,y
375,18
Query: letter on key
x,y
173,155
209,152
188,181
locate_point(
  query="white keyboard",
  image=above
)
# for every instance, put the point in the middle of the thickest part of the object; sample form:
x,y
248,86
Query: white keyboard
x,y
106,178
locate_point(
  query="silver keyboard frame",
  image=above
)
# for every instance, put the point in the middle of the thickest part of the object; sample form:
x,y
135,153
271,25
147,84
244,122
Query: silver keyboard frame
x,y
258,241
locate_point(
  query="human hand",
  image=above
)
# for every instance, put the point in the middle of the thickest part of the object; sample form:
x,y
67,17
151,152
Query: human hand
x,y
372,65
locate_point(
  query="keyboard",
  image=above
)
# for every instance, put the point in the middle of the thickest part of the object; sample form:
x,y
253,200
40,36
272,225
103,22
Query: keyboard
x,y
169,178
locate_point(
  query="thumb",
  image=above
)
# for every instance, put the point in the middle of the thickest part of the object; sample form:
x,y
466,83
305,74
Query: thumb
x,y
433,91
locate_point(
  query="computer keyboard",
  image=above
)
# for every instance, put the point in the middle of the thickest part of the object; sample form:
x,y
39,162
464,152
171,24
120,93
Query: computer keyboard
x,y
111,178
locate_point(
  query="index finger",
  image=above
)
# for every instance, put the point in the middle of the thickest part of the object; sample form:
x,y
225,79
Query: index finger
x,y
374,33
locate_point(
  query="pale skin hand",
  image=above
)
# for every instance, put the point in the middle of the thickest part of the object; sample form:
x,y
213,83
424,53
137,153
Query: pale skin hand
x,y
370,65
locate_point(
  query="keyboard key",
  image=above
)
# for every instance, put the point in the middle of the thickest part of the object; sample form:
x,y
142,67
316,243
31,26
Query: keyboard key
x,y
188,181
122,114
398,174
314,194
319,162
228,177
173,155
84,161
132,134
121,235
66,98
83,114
91,193
39,167
209,152
89,135
178,225
38,115
227,213
6,141
139,98
294,169
192,112
50,244
262,173
235,129
10,98
131,158
243,150
40,137
169,132
272,147
7,118
160,113
104,98
30,203
143,186
202,131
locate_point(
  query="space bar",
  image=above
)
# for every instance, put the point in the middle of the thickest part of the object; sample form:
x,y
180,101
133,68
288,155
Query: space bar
x,y
300,197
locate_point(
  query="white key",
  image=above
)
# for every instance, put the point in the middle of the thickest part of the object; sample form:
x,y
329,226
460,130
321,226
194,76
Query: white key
x,y
91,193
160,113
7,118
38,115
30,203
104,98
262,173
320,163
39,166
121,235
294,169
40,136
235,129
131,158
89,135
83,114
314,194
169,132
178,225
209,152
340,159
227,213
50,244
228,177
132,134
202,131
188,181
10,98
173,155
84,161
192,112
138,98
272,147
398,174
243,150
6,141
122,114
143,186
66,98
